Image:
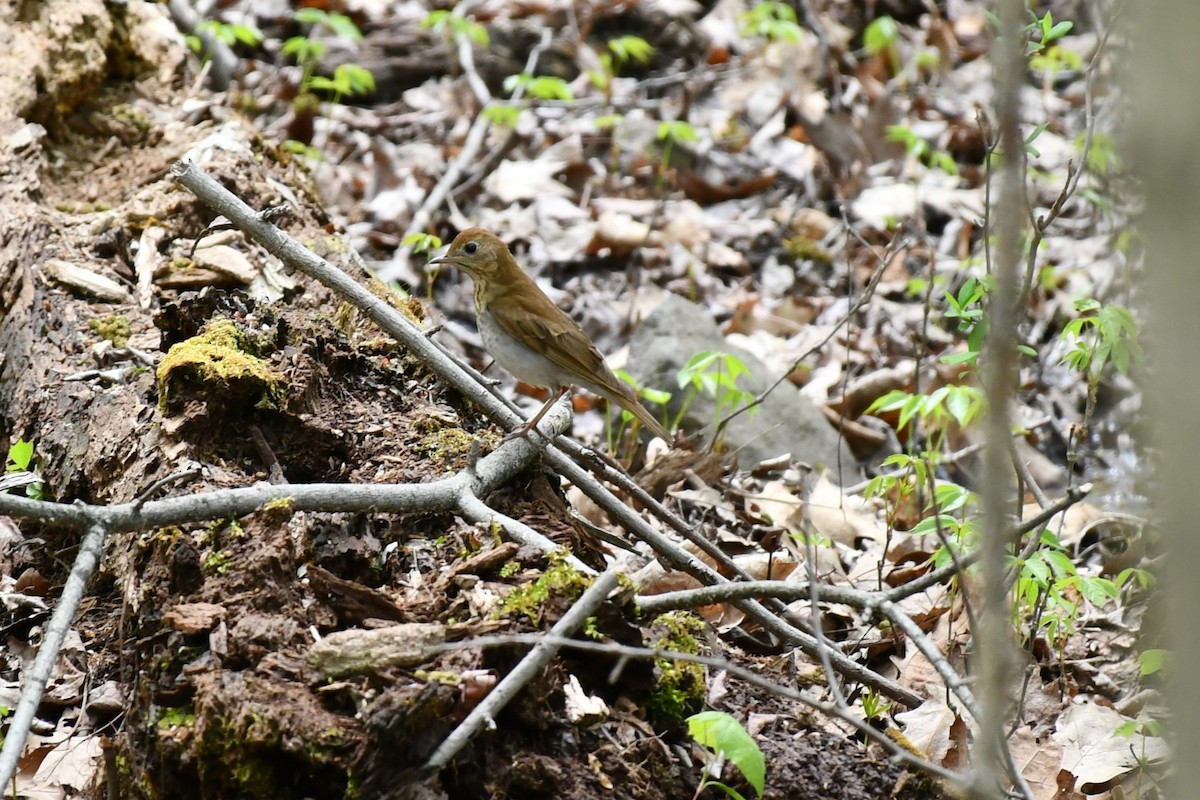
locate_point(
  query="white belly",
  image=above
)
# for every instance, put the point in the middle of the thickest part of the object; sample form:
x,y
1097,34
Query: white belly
x,y
525,364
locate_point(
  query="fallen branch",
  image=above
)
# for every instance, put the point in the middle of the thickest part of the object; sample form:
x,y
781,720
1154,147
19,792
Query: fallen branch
x,y
37,676
460,492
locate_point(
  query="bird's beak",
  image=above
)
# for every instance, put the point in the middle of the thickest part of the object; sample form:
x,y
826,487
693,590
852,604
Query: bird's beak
x,y
432,264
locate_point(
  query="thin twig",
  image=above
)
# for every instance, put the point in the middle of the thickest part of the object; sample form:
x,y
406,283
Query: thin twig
x,y
218,54
37,676
484,713
866,295
992,638
1041,224
467,155
627,652
497,153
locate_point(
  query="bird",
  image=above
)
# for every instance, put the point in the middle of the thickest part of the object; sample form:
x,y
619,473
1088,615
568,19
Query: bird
x,y
531,337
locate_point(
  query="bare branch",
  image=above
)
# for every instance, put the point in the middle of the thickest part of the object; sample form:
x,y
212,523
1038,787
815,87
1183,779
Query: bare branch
x,y
36,677
625,651
484,713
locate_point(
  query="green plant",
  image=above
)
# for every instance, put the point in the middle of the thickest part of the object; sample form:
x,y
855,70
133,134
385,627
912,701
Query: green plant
x,y
966,309
217,562
1102,333
672,132
348,80
1102,155
543,87
952,403
1048,587
228,32
619,52
721,734
1054,60
874,704
655,396
1151,661
1048,32
921,150
716,374
771,20
880,38
421,242
540,87
455,27
20,459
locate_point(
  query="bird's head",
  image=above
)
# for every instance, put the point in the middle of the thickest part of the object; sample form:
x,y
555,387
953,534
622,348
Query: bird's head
x,y
477,252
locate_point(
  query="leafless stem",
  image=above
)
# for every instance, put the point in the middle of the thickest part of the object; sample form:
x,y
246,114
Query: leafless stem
x,y
223,61
467,155
867,293
992,638
625,651
484,713
36,677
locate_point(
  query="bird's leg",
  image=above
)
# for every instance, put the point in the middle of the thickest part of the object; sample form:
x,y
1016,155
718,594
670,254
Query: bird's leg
x,y
532,424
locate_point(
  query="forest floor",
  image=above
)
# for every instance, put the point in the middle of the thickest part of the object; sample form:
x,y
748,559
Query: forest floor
x,y
805,200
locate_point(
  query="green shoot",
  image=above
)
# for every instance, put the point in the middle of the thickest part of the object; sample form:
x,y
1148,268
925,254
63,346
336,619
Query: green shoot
x,y
772,21
719,733
543,87
920,149
455,27
880,38
716,374
20,459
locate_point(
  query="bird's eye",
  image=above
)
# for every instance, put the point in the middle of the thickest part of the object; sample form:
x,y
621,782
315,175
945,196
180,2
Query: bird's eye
x,y
471,247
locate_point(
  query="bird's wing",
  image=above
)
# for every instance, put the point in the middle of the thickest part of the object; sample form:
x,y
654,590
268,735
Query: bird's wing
x,y
535,320
546,329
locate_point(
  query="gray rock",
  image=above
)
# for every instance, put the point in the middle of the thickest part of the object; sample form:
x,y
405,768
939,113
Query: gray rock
x,y
786,422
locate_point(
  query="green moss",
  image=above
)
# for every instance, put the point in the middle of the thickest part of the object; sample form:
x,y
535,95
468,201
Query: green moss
x,y
559,580
176,718
335,244
445,445
132,116
220,360
114,328
438,676
680,688
216,563
801,248
281,504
